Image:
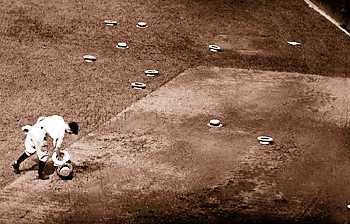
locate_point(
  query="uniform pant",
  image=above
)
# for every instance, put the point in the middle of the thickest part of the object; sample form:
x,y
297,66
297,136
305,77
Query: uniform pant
x,y
39,149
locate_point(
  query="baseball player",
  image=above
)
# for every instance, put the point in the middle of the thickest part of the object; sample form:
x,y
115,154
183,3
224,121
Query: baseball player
x,y
36,140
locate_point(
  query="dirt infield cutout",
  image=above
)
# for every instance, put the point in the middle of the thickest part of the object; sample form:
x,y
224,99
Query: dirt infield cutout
x,y
160,146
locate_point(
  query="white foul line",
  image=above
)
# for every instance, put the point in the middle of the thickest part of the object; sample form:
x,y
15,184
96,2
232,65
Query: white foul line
x,y
323,13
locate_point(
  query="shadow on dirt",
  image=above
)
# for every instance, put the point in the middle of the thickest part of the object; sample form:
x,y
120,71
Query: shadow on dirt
x,y
31,168
87,167
49,168
227,218
179,209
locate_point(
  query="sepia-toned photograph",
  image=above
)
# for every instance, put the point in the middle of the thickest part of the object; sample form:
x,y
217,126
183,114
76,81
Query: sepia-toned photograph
x,y
174,111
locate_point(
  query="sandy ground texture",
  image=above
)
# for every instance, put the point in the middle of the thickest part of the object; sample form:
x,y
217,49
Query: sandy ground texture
x,y
42,44
42,73
159,162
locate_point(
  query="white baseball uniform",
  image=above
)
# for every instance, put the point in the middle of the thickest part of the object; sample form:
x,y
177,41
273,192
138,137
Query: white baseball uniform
x,y
54,126
36,142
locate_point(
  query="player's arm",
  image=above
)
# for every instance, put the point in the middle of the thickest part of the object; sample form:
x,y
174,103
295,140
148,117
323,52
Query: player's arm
x,y
57,142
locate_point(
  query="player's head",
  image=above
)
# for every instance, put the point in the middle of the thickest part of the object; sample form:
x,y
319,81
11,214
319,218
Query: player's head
x,y
73,128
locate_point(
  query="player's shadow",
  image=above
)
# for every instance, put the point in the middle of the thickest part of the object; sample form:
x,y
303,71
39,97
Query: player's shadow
x,y
33,167
49,168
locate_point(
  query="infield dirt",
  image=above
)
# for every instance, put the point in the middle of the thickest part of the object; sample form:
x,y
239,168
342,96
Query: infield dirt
x,y
158,161
42,71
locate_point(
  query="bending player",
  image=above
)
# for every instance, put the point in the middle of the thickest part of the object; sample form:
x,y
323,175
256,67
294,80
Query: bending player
x,y
36,142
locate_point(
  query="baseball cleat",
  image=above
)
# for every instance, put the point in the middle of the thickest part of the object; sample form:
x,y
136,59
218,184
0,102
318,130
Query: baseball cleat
x,y
15,167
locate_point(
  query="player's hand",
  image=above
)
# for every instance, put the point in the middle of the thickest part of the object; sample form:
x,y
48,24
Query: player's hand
x,y
59,154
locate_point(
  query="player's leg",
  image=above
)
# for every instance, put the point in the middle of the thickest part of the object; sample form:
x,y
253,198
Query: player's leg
x,y
17,163
41,174
43,156
29,150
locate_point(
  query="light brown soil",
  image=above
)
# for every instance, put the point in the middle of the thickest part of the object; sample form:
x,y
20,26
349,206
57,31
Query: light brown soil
x,y
158,161
42,44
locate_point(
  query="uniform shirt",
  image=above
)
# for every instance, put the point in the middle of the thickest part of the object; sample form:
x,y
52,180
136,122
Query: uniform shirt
x,y
55,127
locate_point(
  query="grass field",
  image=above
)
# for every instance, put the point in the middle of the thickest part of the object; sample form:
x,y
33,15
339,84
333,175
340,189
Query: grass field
x,y
42,44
